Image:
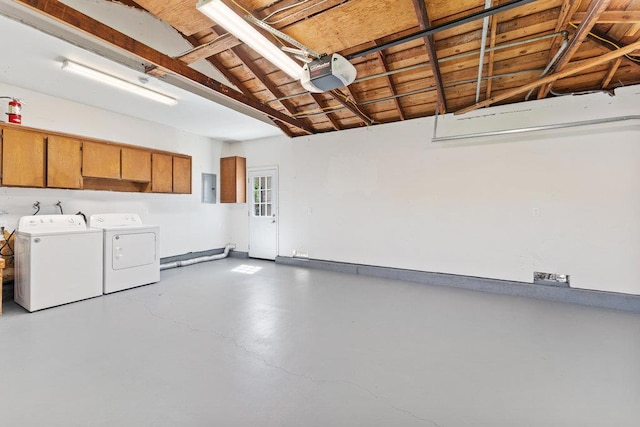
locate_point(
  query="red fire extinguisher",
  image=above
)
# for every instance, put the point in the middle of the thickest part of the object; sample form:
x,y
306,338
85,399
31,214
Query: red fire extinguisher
x,y
15,108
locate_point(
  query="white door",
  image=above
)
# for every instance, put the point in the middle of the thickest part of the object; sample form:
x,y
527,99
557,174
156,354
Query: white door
x,y
263,213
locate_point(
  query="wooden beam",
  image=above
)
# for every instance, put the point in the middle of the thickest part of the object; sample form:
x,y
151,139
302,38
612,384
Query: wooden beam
x,y
245,59
237,83
612,71
596,8
492,54
392,87
609,44
575,69
214,47
334,122
633,30
424,23
71,17
611,17
339,96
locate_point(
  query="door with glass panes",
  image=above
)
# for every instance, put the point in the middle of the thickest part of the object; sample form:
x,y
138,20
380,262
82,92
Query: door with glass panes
x,y
263,213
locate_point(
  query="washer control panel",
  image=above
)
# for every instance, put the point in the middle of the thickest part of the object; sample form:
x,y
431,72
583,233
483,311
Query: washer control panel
x,y
45,223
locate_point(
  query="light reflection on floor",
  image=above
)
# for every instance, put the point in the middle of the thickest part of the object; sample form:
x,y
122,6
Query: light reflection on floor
x,y
246,269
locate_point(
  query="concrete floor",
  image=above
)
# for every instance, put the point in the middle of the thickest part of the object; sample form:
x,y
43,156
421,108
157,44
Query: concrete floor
x,y
287,346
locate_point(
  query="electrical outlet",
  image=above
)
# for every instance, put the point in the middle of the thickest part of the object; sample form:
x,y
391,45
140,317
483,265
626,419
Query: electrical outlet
x,y
551,278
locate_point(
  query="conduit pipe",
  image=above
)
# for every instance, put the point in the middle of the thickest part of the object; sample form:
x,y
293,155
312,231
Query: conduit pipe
x,y
192,261
563,46
534,128
485,28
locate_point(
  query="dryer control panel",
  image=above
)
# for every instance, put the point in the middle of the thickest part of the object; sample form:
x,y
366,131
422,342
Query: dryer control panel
x,y
114,220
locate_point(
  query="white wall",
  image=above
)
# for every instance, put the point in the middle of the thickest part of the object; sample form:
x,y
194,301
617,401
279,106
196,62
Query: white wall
x,y
502,207
186,224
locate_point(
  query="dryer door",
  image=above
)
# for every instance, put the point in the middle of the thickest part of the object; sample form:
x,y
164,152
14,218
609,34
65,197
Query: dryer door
x,y
133,250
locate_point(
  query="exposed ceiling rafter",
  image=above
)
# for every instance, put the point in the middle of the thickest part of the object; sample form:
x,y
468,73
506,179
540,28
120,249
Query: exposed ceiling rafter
x,y
424,23
582,66
246,61
492,55
596,8
392,86
613,67
71,17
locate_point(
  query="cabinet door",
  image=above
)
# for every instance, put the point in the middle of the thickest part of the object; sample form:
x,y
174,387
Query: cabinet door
x,y
64,162
100,160
233,180
161,173
182,175
136,165
22,158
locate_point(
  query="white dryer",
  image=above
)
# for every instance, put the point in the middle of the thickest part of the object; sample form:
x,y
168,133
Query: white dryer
x,y
131,251
58,260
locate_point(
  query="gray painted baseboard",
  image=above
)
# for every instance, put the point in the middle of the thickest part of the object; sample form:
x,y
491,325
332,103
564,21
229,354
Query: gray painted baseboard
x,y
239,254
540,291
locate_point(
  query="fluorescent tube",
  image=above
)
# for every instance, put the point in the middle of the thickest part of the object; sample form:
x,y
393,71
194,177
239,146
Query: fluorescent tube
x,y
245,32
117,82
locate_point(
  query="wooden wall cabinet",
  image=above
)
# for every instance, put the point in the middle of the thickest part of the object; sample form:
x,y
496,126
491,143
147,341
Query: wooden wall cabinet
x,y
36,158
100,160
182,175
233,187
23,155
162,173
64,162
136,165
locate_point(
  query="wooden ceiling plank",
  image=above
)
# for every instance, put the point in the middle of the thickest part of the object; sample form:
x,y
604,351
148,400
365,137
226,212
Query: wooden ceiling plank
x,y
596,8
295,14
75,19
575,69
329,115
390,84
611,17
351,23
214,47
612,71
424,23
180,14
492,54
259,75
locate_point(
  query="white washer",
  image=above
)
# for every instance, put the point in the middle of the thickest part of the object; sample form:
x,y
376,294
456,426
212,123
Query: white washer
x,y
58,260
131,251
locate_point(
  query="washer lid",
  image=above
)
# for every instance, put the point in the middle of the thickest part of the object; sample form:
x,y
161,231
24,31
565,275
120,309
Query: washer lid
x,y
51,224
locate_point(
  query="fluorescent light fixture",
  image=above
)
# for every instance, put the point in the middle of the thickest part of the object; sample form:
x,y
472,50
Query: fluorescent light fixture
x,y
117,82
240,28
